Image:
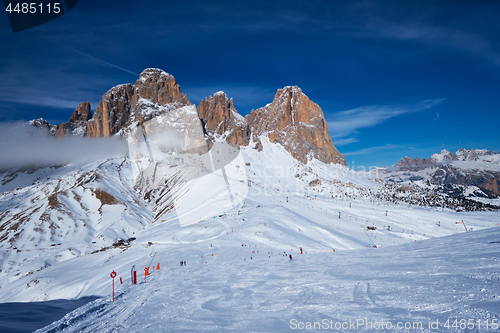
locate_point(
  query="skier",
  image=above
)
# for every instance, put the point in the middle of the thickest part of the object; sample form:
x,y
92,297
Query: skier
x,y
185,263
182,262
300,250
290,257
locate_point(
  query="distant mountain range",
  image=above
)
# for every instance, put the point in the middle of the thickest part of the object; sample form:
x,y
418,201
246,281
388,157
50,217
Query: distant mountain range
x,y
473,173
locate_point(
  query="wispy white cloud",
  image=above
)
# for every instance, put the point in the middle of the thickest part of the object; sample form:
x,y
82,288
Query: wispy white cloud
x,y
371,150
338,142
437,116
24,145
345,123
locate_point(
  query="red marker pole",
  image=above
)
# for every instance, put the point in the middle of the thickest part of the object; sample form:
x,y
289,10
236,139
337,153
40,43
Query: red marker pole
x,y
113,275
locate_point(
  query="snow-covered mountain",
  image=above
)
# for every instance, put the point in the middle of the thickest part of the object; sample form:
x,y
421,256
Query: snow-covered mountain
x,y
230,196
473,173
95,215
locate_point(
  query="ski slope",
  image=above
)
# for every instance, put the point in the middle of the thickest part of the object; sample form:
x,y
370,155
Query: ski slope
x,y
363,257
432,281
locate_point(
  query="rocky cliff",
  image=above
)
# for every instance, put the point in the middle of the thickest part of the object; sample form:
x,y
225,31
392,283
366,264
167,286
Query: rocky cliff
x,y
220,119
77,123
298,124
155,92
113,112
292,119
44,125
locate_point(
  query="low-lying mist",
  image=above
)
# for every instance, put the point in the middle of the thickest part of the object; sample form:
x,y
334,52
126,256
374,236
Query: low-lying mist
x,y
23,145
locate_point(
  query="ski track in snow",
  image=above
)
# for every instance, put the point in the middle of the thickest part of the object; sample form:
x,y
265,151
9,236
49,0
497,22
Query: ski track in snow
x,y
439,279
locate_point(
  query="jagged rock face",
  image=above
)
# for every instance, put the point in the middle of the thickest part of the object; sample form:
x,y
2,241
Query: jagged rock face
x,y
443,156
113,112
43,124
472,154
77,123
220,118
408,163
291,120
486,180
491,186
158,87
154,93
298,124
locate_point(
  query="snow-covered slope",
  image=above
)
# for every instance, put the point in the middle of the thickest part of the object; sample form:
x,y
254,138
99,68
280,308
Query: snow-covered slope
x,y
55,214
438,285
63,234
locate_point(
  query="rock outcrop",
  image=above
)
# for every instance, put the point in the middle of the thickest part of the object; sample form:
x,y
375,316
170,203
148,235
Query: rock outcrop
x,y
298,124
292,119
113,112
491,186
155,92
44,124
158,87
220,119
77,123
472,154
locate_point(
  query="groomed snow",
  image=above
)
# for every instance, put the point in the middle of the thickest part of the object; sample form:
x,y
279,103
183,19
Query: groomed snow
x,y
417,264
413,285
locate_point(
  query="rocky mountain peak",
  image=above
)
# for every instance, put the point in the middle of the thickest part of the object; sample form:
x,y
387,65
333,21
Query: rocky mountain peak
x,y
156,92
472,154
77,123
220,118
291,119
443,156
298,124
113,112
44,124
158,87
82,113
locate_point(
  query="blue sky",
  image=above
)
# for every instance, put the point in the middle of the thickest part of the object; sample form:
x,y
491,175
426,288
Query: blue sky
x,y
394,78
